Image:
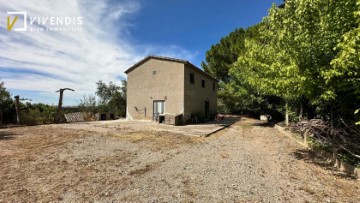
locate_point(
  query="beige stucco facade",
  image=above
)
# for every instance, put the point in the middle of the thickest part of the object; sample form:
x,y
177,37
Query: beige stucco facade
x,y
195,95
168,80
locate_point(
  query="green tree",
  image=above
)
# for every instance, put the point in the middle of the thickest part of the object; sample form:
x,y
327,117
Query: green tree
x,y
300,44
268,70
4,94
347,61
6,105
222,55
220,59
88,104
112,97
311,37
304,50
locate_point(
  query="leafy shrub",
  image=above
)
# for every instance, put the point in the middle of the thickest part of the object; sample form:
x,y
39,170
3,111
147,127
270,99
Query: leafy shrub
x,y
37,114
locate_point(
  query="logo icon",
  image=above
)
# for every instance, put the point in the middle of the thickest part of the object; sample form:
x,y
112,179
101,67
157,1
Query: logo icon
x,y
12,22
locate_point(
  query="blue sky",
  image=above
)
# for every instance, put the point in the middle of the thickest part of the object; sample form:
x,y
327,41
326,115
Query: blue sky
x,y
195,25
113,36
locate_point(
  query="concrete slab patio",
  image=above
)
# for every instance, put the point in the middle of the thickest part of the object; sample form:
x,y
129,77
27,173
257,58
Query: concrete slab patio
x,y
124,126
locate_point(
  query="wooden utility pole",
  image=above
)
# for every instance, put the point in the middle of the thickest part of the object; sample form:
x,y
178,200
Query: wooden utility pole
x,y
58,115
17,107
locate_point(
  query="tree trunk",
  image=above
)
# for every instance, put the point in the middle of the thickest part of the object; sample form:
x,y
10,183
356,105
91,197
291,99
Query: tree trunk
x,y
1,117
331,119
287,114
58,114
301,111
17,107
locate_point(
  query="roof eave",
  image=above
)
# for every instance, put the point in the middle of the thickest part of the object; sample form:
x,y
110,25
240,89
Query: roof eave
x,y
168,59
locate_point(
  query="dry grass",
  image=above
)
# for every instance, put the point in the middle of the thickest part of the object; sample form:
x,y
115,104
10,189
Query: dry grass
x,y
224,155
37,139
188,190
53,164
32,165
307,189
159,140
140,171
49,164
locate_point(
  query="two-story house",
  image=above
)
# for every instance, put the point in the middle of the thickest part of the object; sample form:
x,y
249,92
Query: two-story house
x,y
158,85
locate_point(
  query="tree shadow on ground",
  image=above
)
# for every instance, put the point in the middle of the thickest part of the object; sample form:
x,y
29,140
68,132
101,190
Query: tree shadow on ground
x,y
6,136
310,156
263,124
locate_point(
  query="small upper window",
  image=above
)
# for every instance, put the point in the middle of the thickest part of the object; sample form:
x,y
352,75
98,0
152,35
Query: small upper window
x,y
214,86
192,78
154,72
202,83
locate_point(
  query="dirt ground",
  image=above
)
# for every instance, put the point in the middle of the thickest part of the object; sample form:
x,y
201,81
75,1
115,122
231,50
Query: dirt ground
x,y
124,126
246,162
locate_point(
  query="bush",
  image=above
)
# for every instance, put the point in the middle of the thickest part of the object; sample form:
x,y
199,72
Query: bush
x,y
37,114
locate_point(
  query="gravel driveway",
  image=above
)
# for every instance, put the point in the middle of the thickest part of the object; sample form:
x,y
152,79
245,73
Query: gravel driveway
x,y
247,162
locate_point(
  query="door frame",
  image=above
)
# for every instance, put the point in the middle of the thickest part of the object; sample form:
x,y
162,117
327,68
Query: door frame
x,y
207,108
156,114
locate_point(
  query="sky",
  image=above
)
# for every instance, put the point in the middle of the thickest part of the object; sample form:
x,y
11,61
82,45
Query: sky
x,y
109,37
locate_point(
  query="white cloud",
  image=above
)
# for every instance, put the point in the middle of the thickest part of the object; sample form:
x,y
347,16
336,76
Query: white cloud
x,y
47,61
